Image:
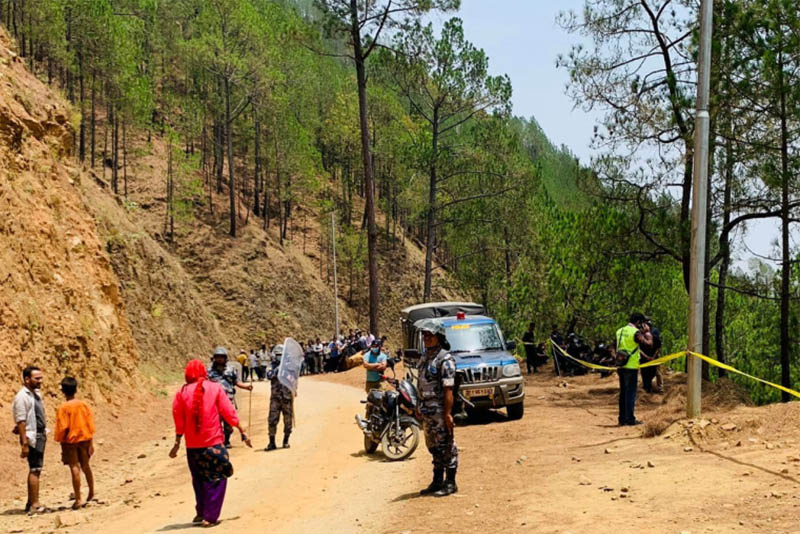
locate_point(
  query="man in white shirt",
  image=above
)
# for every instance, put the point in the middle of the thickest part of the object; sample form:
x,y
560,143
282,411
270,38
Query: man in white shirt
x,y
261,365
252,363
318,355
31,427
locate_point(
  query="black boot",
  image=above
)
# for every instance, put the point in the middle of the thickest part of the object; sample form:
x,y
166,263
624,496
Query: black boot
x,y
436,485
286,441
449,487
271,446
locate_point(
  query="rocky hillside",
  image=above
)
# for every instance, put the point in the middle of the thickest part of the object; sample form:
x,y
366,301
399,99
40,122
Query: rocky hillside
x,y
60,301
91,287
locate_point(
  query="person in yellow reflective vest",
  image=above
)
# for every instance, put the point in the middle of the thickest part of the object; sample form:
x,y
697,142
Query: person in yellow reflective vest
x,y
629,339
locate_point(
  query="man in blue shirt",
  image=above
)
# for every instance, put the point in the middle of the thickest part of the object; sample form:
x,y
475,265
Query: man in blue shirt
x,y
375,362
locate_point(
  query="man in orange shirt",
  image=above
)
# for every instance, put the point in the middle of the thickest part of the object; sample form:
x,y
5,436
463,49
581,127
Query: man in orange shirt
x,y
74,430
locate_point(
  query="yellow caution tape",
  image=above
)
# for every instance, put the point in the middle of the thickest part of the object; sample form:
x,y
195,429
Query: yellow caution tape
x,y
582,362
658,361
715,363
663,359
675,356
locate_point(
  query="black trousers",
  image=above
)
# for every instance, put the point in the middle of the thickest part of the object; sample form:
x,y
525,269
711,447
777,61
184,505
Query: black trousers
x,y
648,374
628,382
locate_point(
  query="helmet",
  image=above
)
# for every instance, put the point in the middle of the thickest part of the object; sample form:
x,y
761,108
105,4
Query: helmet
x,y
433,327
220,351
429,325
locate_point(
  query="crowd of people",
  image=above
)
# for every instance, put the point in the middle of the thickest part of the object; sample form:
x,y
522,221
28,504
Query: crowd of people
x,y
319,357
331,357
205,416
205,408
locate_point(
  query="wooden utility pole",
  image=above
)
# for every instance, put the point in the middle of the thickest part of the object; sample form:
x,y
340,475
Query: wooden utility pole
x,y
699,211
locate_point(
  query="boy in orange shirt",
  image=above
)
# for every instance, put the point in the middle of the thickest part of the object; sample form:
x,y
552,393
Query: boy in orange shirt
x,y
74,430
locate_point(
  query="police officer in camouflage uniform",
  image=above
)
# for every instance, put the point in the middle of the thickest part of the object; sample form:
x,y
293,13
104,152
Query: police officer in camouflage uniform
x,y
280,401
437,373
226,375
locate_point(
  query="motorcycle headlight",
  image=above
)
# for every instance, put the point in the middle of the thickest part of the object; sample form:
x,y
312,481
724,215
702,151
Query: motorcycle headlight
x,y
511,369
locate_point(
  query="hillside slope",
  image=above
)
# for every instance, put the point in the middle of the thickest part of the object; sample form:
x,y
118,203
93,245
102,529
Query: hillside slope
x,y
246,290
60,302
91,287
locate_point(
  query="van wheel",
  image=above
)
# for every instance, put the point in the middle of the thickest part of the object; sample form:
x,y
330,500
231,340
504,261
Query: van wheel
x,y
515,411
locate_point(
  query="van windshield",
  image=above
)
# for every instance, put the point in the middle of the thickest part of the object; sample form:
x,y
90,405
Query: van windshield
x,y
474,337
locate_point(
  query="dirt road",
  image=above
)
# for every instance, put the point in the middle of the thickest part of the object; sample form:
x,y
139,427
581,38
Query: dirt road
x,y
565,467
322,483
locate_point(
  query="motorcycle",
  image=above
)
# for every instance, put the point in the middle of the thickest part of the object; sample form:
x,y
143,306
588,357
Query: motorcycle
x,y
391,419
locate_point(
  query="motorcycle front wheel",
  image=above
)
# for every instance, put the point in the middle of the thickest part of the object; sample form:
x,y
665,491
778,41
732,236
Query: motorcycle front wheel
x,y
369,445
399,445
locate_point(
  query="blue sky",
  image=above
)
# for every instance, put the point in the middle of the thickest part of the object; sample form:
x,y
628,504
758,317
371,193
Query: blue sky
x,y
522,39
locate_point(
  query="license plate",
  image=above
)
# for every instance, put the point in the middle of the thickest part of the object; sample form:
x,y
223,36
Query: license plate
x,y
481,392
